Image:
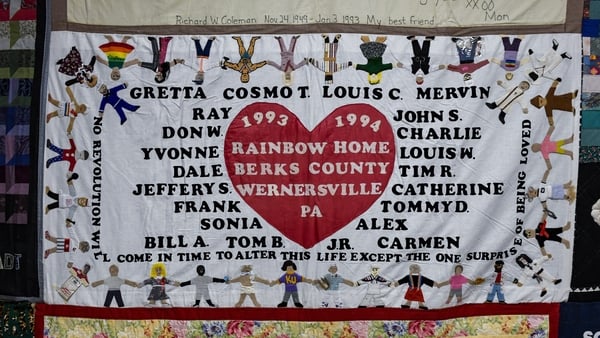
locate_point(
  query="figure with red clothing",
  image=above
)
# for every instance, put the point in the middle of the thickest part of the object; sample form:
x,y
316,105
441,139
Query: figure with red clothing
x,y
496,284
70,155
116,53
415,282
542,234
77,278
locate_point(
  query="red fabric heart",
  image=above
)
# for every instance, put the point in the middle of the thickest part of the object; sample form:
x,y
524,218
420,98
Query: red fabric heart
x,y
308,185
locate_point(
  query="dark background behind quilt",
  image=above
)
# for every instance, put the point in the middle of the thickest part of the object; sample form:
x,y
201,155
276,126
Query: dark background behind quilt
x,y
18,130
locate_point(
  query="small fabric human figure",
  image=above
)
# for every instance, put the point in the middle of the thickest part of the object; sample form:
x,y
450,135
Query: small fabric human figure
x,y
456,282
373,52
331,284
71,202
202,55
244,66
201,282
116,53
533,269
468,49
329,65
247,279
70,155
551,102
510,62
548,147
64,245
69,109
80,273
420,60
290,279
512,95
543,233
287,64
158,281
110,97
374,282
77,278
159,64
81,73
544,66
415,282
114,282
545,192
496,284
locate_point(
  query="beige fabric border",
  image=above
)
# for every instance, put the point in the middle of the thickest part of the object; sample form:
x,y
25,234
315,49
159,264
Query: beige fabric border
x,y
407,13
59,21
